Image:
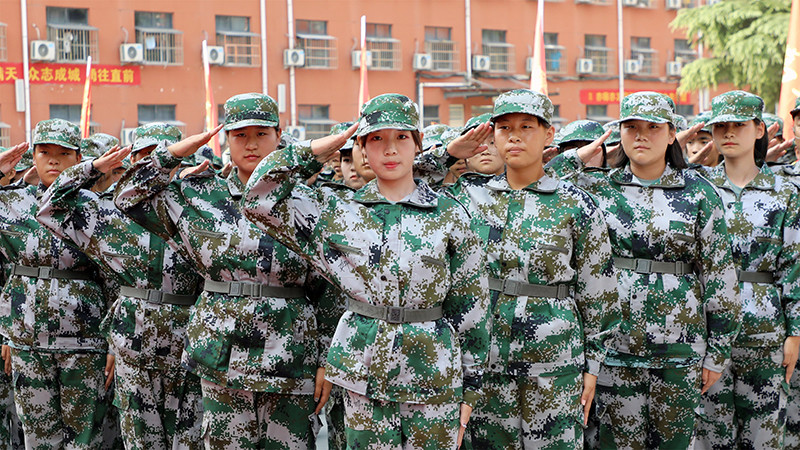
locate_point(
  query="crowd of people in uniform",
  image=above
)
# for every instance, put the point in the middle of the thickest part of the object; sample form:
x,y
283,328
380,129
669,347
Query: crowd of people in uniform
x,y
495,286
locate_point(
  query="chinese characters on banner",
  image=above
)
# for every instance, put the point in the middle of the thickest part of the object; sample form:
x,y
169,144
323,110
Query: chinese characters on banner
x,y
611,96
71,74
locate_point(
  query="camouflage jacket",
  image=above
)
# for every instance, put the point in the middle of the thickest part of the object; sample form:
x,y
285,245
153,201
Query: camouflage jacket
x,y
145,334
547,233
764,225
668,320
49,314
416,253
251,343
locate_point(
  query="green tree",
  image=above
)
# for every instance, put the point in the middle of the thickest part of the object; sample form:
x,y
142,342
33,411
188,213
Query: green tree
x,y
744,43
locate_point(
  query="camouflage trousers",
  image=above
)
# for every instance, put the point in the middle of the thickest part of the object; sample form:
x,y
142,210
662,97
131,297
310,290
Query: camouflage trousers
x,y
60,397
640,408
236,419
334,416
792,440
112,438
528,412
159,409
377,425
746,408
11,435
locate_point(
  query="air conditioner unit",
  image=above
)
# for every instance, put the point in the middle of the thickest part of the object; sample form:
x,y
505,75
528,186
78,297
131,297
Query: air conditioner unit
x,y
131,53
674,4
585,66
127,135
674,68
356,55
298,133
215,55
529,64
423,61
481,63
632,66
713,2
630,2
294,57
43,51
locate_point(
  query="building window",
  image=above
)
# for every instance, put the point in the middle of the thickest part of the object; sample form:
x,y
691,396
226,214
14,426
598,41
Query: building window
x,y
443,50
69,29
315,119
72,113
385,50
684,52
500,53
638,3
242,48
596,50
456,111
157,113
3,42
431,114
5,135
320,48
594,2
162,44
647,57
684,110
553,54
598,113
477,110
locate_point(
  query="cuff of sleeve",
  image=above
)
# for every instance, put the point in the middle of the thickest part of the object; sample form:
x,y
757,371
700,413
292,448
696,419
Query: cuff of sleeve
x,y
571,156
164,159
715,363
793,327
592,367
471,398
309,165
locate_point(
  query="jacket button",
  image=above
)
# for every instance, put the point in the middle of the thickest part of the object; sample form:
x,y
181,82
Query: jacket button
x,y
383,277
494,366
497,316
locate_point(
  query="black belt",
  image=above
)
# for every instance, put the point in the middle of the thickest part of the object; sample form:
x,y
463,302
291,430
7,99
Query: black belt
x,y
755,277
157,297
518,288
640,265
395,314
47,272
246,289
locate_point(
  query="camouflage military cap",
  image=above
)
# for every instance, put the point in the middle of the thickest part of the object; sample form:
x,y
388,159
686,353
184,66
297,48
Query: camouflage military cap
x,y
449,135
26,162
523,101
796,109
155,133
250,110
97,144
580,130
771,119
476,121
126,163
432,135
736,106
206,153
648,106
340,128
704,117
287,139
388,111
58,132
680,122
614,137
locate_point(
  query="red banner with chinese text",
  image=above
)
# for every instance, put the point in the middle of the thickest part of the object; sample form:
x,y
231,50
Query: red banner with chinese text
x,y
611,96
72,74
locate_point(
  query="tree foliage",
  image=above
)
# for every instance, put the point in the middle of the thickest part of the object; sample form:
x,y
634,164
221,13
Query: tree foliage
x,y
744,43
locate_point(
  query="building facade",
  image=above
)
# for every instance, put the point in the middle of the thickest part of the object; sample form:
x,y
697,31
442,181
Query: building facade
x,y
147,57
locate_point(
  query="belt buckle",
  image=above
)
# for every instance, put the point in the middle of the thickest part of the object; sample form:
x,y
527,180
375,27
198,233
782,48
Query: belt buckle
x,y
155,296
394,314
643,265
235,288
511,287
562,291
255,290
45,273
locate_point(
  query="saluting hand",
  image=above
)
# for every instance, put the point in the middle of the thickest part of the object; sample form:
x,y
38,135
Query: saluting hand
x,y
471,143
192,143
701,156
686,135
776,149
589,151
325,148
11,157
112,159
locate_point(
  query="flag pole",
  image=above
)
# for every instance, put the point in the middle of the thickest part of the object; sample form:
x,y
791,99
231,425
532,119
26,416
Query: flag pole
x,y
86,104
363,88
539,67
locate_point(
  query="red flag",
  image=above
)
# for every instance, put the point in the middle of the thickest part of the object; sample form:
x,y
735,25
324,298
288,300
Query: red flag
x,y
211,111
538,68
86,104
363,88
790,84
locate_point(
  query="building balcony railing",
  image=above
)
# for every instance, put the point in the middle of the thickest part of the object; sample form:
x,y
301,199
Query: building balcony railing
x,y
385,54
161,45
501,57
3,42
555,59
5,135
242,48
74,43
317,128
602,59
648,60
320,49
444,55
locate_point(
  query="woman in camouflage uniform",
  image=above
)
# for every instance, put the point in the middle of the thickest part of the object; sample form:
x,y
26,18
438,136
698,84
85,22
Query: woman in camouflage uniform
x,y
257,334
747,407
410,350
679,296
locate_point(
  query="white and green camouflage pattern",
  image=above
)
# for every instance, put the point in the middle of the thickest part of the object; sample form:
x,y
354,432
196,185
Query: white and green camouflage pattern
x,y
736,106
58,132
388,111
648,106
248,110
95,145
155,133
523,101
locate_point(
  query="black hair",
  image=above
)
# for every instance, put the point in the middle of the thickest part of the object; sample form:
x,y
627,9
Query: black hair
x,y
761,145
673,156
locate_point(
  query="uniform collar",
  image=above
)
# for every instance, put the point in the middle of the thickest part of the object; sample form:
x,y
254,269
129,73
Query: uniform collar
x,y
423,196
764,180
235,186
671,178
547,184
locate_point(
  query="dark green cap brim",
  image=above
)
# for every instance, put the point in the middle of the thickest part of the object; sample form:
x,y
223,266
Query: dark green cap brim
x,y
385,126
249,123
729,118
56,142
